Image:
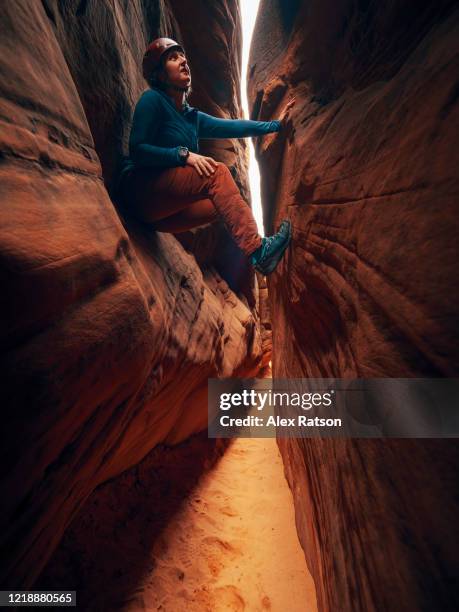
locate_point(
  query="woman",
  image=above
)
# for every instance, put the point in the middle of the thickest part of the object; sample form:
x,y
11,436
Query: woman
x,y
168,183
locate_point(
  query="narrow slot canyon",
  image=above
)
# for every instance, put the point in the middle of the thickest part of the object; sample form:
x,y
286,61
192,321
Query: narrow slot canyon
x,y
111,485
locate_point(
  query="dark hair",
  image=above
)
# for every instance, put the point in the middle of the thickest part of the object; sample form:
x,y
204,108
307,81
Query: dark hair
x,y
154,81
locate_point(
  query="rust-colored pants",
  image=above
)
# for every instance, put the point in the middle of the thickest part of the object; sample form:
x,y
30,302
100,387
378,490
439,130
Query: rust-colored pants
x,y
177,199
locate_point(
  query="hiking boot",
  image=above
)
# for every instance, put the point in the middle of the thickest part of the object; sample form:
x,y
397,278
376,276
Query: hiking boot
x,y
269,254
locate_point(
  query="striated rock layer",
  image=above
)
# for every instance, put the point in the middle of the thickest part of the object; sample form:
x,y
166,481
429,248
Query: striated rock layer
x,y
110,331
368,176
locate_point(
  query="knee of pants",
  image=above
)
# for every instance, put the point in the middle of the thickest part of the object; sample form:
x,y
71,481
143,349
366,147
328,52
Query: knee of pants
x,y
222,169
219,181
222,173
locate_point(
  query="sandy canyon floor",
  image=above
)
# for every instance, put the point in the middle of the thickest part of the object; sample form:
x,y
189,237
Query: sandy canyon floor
x,y
233,543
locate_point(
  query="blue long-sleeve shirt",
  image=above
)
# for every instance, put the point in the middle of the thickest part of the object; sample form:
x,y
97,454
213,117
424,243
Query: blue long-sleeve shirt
x,y
158,129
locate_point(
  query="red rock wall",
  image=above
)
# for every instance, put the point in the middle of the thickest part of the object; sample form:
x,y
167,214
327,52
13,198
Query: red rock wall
x,y
110,331
368,176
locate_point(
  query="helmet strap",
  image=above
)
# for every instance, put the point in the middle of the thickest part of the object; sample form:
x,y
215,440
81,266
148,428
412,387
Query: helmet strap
x,y
184,89
175,87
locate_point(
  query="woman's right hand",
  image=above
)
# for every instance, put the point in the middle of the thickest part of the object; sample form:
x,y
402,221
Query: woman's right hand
x,y
202,164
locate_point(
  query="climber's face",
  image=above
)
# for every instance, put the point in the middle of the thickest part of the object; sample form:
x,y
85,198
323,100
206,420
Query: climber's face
x,y
176,69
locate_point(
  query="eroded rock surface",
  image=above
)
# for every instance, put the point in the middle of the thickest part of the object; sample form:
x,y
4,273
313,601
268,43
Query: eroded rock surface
x,y
110,331
368,176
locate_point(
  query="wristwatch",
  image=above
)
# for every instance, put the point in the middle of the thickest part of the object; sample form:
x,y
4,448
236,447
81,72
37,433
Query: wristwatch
x,y
183,155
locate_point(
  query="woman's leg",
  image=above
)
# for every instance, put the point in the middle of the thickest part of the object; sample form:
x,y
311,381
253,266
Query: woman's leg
x,y
157,195
195,214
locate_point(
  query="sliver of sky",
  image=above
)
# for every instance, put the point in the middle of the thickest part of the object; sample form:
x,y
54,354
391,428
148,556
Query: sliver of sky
x,y
249,9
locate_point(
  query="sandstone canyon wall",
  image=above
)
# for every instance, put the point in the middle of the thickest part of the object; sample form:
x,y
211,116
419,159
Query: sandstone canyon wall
x,y
110,330
368,175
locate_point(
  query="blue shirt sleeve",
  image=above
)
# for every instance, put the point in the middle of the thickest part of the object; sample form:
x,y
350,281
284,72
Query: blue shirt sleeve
x,y
214,127
145,125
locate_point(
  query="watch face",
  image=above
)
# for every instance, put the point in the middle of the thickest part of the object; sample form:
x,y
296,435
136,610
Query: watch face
x,y
183,154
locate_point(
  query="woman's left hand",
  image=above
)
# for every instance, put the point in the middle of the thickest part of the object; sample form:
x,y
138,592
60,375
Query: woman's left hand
x,y
285,114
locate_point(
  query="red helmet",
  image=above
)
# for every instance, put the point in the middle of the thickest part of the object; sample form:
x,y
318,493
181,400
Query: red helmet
x,y
154,52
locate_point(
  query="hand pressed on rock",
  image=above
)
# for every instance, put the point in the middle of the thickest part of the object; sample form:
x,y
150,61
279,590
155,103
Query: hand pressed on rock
x,y
285,114
202,164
